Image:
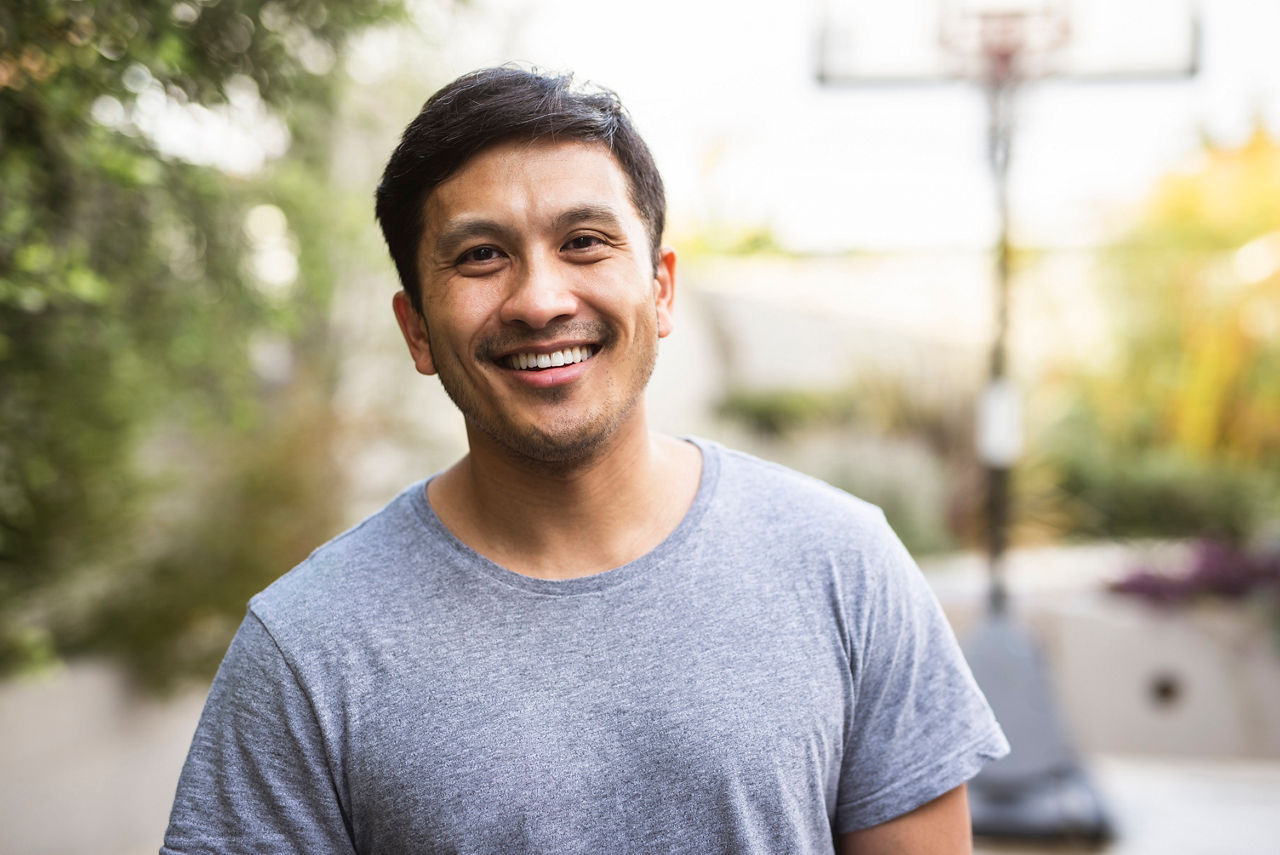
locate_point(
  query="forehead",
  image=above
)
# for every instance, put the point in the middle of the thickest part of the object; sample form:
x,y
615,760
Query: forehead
x,y
529,180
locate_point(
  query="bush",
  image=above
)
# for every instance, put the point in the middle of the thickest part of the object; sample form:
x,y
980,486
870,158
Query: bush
x,y
1159,492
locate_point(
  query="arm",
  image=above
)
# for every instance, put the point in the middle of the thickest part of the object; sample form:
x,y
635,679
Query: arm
x,y
940,827
920,726
258,777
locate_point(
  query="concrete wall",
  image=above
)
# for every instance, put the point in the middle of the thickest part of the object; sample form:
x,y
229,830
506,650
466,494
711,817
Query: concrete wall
x,y
1130,678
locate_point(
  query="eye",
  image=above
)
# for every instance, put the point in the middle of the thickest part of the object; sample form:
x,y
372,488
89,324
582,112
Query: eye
x,y
584,242
478,255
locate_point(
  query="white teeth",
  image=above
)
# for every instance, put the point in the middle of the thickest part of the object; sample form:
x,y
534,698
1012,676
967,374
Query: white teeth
x,y
568,356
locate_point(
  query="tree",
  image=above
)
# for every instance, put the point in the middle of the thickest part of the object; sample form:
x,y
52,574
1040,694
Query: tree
x,y
1182,436
156,463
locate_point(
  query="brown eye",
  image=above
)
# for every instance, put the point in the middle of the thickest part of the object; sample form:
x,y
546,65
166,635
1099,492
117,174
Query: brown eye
x,y
479,255
584,242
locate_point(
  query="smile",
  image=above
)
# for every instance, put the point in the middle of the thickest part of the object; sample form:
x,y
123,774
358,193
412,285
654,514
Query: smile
x,y
535,361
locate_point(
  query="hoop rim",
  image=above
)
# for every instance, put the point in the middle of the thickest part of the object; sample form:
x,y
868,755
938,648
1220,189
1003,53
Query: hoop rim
x,y
1004,41
977,32
936,42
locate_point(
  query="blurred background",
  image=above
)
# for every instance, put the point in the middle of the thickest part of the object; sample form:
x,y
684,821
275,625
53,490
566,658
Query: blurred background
x,y
201,379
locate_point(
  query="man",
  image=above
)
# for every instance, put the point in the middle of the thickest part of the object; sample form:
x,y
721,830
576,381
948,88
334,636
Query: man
x,y
582,637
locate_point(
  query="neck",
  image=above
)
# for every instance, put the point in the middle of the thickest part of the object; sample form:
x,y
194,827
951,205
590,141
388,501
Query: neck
x,y
573,519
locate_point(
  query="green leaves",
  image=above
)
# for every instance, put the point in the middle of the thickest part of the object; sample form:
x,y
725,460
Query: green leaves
x,y
1181,436
131,413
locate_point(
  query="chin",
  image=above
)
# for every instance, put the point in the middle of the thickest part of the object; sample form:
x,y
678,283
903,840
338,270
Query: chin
x,y
567,442
573,438
556,447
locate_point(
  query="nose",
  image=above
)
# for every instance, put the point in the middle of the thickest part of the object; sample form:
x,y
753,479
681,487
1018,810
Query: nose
x,y
540,292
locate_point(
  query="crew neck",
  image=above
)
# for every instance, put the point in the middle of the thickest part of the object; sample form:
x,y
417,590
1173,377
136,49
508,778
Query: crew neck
x,y
596,582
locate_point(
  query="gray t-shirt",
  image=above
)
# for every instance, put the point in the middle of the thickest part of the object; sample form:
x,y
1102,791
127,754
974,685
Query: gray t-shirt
x,y
773,673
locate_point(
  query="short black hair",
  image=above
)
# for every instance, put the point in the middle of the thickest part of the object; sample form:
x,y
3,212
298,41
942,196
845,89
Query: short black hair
x,y
496,105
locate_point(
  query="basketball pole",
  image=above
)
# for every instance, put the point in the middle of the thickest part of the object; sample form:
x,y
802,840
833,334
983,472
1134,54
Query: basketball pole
x,y
1000,84
1041,790
1002,49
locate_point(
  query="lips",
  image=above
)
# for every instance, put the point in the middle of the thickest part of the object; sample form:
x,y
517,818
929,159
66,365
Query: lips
x,y
530,361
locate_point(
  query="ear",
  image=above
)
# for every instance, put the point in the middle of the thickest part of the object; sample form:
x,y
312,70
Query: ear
x,y
664,290
414,329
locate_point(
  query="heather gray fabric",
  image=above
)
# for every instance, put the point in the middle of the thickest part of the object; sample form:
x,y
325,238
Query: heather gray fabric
x,y
774,671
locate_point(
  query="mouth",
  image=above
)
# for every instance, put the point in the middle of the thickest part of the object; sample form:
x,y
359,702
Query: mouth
x,y
530,361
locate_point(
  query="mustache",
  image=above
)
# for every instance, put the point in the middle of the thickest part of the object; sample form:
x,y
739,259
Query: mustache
x,y
594,331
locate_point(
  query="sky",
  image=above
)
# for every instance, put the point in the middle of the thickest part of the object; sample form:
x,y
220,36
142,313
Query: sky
x,y
746,137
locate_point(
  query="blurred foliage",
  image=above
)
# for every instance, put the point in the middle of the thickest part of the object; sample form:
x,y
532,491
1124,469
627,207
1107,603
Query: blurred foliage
x,y
941,418
1176,435
152,473
775,412
1214,571
1155,491
1181,435
718,239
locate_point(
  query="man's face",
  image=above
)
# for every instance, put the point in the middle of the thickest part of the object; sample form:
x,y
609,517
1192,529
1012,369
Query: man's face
x,y
542,308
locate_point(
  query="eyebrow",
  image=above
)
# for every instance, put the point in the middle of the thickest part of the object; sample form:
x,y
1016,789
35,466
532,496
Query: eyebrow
x,y
464,229
601,215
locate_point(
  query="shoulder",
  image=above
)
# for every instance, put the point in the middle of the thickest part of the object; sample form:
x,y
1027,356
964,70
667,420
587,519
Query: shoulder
x,y
753,494
356,571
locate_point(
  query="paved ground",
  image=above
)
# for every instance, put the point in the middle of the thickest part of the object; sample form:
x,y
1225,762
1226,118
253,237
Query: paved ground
x,y
1181,807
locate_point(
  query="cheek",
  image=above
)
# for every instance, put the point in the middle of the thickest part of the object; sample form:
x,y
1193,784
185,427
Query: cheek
x,y
460,311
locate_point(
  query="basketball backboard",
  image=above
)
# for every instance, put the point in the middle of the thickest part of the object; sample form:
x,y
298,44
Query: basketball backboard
x,y
920,41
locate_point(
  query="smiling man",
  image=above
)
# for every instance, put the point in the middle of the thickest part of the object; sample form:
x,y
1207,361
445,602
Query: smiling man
x,y
583,636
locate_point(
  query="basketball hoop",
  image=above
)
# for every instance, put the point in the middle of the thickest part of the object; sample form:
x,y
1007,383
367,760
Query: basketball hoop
x,y
1040,790
928,42
1002,41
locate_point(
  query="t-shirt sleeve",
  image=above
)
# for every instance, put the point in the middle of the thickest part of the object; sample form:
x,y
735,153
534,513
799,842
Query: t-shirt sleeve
x,y
920,726
258,778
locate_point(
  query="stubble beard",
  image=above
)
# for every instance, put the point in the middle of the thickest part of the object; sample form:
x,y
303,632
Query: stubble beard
x,y
567,441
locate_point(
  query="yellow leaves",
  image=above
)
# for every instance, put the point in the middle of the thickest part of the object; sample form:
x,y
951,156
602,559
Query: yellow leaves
x,y
1228,196
1202,289
1215,358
